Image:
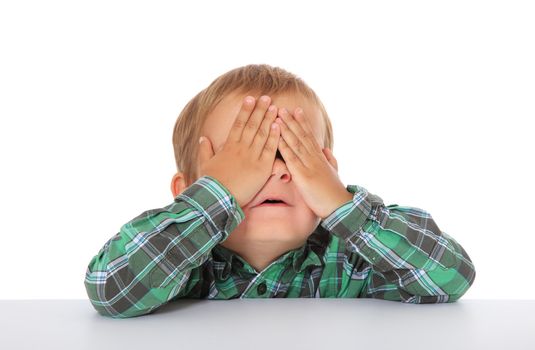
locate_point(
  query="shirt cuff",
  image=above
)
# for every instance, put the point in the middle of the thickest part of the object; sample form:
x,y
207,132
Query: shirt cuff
x,y
351,216
215,202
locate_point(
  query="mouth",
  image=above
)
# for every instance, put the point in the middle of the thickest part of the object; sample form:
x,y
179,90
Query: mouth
x,y
272,204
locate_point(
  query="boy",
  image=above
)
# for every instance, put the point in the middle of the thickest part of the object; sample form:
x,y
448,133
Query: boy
x,y
260,212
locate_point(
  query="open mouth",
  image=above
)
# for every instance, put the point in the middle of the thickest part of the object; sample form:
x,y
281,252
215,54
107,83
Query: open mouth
x,y
272,203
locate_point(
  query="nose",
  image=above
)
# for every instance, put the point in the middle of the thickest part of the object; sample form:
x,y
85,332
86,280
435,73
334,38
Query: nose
x,y
280,171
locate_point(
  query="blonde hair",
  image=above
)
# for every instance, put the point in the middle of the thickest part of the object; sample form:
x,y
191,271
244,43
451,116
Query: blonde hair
x,y
261,78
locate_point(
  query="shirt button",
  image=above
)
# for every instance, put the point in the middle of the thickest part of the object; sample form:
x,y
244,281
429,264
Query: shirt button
x,y
261,289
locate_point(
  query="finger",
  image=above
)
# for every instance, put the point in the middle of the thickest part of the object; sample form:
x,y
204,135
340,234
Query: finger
x,y
301,137
291,139
255,120
291,159
270,148
299,115
264,132
236,131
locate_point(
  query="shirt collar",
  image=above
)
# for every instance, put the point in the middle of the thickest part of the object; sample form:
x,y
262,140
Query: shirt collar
x,y
310,254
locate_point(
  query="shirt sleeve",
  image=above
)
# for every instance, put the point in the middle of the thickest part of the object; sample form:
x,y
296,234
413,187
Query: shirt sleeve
x,y
411,259
151,259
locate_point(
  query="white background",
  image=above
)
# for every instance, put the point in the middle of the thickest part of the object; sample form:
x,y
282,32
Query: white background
x,y
431,104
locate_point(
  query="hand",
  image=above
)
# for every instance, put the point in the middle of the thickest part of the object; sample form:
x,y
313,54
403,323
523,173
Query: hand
x,y
314,170
246,160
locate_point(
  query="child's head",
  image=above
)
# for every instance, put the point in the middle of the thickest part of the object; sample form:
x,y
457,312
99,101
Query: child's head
x,y
212,112
255,80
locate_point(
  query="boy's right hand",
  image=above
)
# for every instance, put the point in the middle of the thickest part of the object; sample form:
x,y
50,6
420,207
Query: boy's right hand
x,y
245,162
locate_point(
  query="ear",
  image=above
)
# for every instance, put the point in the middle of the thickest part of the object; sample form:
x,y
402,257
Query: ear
x,y
178,184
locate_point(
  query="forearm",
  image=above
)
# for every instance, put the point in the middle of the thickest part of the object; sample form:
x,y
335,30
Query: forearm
x,y
152,257
404,246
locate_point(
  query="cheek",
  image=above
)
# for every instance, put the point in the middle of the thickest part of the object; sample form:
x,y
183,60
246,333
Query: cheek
x,y
305,219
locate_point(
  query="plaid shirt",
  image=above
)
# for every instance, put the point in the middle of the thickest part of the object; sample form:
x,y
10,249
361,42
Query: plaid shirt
x,y
363,249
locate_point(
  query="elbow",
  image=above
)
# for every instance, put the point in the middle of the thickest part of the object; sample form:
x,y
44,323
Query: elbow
x,y
108,302
117,309
442,286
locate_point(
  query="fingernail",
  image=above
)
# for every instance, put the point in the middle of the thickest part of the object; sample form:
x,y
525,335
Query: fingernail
x,y
201,139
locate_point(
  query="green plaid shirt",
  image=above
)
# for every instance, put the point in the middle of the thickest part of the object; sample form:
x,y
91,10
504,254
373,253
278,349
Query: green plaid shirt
x,y
364,249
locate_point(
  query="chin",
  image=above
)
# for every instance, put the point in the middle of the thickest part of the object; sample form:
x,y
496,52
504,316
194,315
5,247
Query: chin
x,y
295,217
292,223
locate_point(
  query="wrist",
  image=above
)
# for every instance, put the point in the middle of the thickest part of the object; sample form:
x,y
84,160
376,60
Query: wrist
x,y
341,199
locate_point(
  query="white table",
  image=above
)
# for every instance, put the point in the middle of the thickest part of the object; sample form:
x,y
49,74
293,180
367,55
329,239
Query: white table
x,y
272,324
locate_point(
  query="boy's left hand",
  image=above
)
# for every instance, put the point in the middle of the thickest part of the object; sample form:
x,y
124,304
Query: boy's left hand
x,y
314,170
